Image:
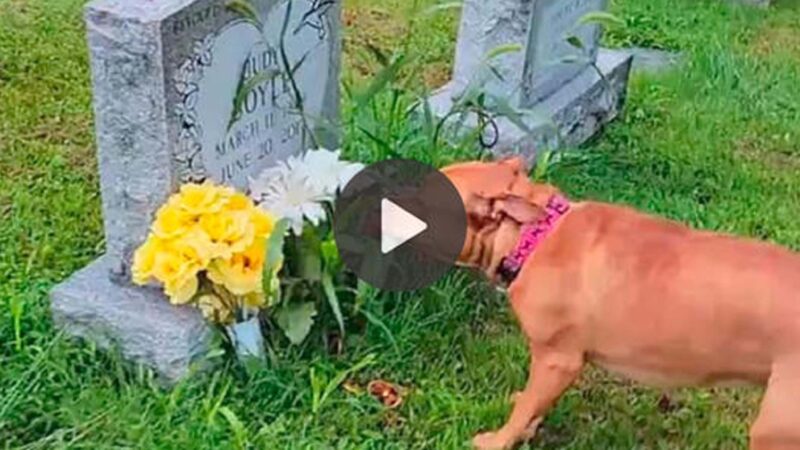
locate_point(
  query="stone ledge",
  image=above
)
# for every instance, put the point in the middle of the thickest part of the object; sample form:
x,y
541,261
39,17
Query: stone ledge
x,y
136,320
579,109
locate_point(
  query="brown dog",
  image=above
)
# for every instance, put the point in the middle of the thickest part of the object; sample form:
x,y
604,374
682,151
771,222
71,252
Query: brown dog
x,y
641,296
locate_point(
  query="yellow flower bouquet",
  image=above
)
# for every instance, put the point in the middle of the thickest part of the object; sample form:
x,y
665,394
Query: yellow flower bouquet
x,y
207,247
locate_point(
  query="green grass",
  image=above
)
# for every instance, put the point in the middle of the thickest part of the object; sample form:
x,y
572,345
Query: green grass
x,y
714,144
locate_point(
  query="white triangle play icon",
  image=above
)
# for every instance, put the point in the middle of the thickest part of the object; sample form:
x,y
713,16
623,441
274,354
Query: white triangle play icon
x,y
397,226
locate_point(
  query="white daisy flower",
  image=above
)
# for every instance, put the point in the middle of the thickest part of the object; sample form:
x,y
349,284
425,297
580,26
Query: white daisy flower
x,y
288,194
325,171
296,189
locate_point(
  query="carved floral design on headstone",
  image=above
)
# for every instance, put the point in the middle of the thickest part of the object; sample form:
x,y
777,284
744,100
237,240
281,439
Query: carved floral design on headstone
x,y
186,84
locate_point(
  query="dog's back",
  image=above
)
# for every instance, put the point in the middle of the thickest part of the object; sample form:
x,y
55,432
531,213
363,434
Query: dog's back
x,y
668,305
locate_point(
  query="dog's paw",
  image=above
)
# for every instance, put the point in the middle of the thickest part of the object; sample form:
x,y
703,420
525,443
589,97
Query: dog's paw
x,y
514,396
490,441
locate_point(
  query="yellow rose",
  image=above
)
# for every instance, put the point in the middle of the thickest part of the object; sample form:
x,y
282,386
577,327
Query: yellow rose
x,y
206,198
263,221
239,202
172,221
177,268
144,259
229,232
214,309
241,274
181,290
197,246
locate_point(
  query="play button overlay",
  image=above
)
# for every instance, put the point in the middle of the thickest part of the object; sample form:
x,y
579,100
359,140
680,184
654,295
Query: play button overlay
x,y
399,225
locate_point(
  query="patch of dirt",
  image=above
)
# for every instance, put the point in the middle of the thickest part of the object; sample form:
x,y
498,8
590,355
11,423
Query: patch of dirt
x,y
371,30
774,152
365,27
773,39
436,74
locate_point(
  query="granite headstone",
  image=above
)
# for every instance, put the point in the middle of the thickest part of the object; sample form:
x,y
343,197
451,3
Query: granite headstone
x,y
519,50
186,90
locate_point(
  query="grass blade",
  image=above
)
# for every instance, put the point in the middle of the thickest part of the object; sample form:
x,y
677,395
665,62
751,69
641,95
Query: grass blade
x,y
247,11
333,300
244,89
601,18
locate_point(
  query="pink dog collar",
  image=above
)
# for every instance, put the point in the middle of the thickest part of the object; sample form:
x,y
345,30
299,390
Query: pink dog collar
x,y
531,235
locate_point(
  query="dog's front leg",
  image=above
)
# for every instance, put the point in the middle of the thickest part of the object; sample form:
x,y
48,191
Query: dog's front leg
x,y
549,376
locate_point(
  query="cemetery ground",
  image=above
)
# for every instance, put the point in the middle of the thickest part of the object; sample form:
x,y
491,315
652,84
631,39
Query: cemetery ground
x,y
713,143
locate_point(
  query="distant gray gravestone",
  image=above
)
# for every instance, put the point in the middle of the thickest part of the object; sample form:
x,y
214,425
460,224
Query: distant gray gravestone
x,y
165,74
518,50
759,3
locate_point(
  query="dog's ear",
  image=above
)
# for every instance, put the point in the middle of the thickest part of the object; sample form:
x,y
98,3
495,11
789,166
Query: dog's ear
x,y
517,208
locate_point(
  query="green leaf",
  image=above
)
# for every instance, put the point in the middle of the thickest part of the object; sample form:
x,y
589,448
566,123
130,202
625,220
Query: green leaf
x,y
373,319
274,259
502,50
542,165
238,428
320,395
17,308
296,319
245,87
380,81
601,18
385,146
213,408
308,248
317,383
330,255
505,109
428,122
575,41
247,11
333,300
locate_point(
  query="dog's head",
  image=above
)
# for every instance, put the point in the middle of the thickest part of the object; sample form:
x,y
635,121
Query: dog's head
x,y
498,197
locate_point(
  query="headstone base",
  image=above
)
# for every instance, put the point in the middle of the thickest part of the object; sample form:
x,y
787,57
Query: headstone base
x,y
579,109
137,321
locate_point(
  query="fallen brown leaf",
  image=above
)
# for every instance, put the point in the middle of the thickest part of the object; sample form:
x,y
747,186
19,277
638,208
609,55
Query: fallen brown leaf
x,y
385,392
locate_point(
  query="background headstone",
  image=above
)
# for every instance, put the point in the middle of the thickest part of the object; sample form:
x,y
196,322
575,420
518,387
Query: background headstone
x,y
550,61
165,75
651,60
759,3
557,82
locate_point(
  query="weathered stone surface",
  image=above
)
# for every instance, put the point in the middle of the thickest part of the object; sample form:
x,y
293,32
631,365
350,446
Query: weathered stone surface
x,y
165,74
550,60
134,153
139,322
552,82
543,60
486,26
578,110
